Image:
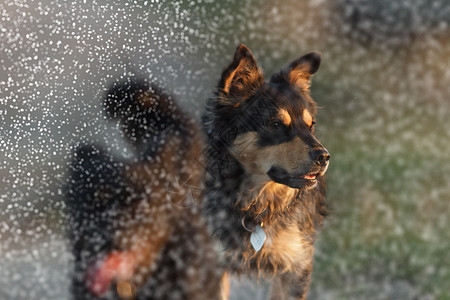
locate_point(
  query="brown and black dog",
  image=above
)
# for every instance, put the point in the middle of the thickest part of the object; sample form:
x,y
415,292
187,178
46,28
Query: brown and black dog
x,y
135,228
261,176
265,190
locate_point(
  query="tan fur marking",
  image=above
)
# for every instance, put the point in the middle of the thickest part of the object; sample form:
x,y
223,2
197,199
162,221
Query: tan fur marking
x,y
226,88
151,100
228,81
225,287
307,117
286,247
271,195
147,99
285,117
285,250
292,156
300,78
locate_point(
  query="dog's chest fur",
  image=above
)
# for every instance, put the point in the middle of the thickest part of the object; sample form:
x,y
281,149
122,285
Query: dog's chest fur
x,y
288,227
285,249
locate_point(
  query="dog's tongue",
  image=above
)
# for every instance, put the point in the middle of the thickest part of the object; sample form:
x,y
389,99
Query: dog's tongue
x,y
309,177
116,264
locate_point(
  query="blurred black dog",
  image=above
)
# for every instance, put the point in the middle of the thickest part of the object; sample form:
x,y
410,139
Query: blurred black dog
x,y
134,231
265,190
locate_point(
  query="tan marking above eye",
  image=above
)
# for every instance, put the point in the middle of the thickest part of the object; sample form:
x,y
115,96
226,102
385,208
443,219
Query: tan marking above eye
x,y
147,99
307,117
285,117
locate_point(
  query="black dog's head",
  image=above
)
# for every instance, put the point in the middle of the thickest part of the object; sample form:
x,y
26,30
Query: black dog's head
x,y
274,121
142,108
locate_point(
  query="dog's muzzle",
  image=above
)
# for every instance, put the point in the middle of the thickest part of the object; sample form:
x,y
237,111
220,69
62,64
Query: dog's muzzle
x,y
298,181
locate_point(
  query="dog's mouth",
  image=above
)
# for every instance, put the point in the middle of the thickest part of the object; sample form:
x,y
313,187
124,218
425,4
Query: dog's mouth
x,y
279,175
310,177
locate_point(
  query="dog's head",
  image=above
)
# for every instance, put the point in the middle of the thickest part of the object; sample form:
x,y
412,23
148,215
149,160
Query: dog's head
x,y
274,121
141,107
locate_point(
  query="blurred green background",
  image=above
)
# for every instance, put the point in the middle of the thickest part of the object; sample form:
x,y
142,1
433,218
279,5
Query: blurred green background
x,y
384,89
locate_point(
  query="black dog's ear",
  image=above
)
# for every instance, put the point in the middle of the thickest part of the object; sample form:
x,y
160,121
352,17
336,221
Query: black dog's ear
x,y
298,72
242,77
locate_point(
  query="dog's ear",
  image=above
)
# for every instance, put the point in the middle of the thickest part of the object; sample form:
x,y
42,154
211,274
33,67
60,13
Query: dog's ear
x,y
298,72
242,77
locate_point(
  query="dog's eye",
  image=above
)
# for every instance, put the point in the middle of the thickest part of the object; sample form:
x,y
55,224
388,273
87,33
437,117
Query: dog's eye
x,y
312,125
275,124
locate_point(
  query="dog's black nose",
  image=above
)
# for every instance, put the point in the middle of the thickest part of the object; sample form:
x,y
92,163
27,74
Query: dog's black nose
x,y
320,157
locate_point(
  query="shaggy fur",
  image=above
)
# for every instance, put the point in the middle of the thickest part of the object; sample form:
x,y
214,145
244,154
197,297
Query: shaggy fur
x,y
135,227
262,170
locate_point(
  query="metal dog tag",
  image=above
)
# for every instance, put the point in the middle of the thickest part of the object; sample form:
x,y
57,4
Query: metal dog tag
x,y
257,238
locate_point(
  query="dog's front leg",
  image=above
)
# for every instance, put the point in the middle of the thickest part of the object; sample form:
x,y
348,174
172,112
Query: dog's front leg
x,y
225,287
291,286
